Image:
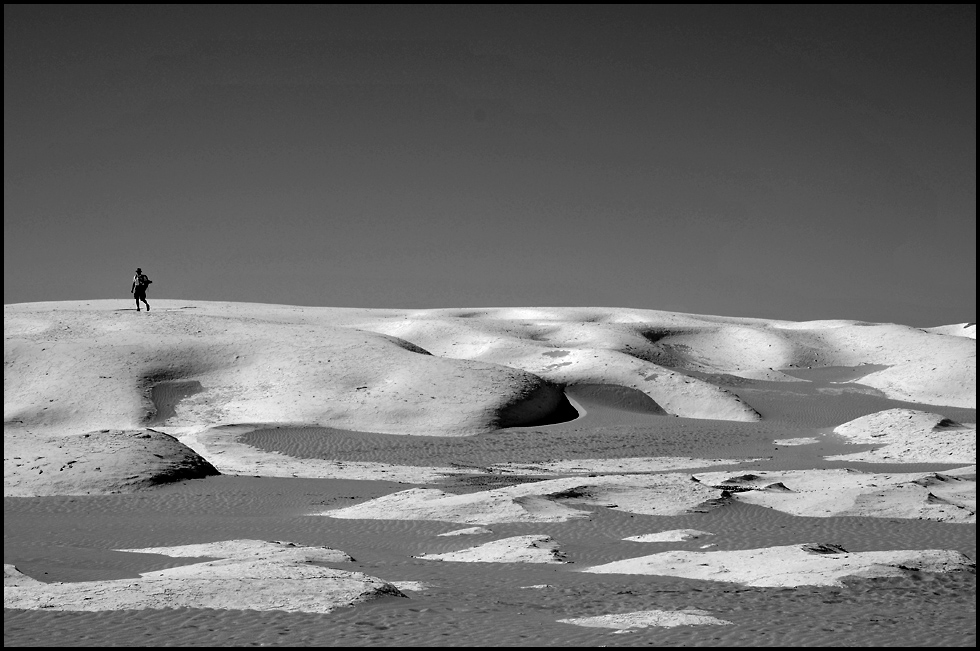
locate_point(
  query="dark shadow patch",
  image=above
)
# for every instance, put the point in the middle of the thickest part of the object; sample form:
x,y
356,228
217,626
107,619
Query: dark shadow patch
x,y
461,484
563,412
664,350
822,549
167,395
654,335
575,492
727,379
556,353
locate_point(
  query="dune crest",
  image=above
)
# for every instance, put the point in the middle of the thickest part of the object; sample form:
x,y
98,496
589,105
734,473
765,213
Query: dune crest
x,y
196,369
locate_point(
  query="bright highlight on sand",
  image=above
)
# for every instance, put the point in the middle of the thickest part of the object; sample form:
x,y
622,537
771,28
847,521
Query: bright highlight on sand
x,y
100,400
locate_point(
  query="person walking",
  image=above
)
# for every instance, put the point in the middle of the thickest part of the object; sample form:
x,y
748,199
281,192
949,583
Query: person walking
x,y
140,283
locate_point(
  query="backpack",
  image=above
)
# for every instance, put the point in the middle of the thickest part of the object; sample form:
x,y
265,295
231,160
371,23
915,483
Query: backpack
x,y
143,281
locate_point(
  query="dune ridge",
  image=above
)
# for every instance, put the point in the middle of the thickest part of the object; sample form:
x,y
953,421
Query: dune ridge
x,y
101,400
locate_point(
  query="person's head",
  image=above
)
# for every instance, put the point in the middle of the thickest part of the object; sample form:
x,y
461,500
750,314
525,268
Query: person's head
x,y
138,270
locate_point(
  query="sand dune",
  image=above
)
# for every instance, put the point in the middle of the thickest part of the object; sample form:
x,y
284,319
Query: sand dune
x,y
789,566
100,462
190,367
232,575
814,493
910,436
542,501
102,401
947,497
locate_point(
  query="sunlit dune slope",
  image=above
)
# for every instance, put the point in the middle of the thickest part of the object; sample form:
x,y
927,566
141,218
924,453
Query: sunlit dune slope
x,y
101,370
76,367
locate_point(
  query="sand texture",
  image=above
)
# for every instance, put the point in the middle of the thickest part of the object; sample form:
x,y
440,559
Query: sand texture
x,y
236,474
246,575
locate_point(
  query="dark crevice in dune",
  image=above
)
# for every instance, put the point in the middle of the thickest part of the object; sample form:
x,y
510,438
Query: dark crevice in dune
x,y
563,412
662,351
822,549
707,506
407,345
189,467
482,482
167,395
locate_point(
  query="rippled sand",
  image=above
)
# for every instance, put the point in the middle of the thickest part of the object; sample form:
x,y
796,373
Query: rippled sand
x,y
485,604
470,604
780,420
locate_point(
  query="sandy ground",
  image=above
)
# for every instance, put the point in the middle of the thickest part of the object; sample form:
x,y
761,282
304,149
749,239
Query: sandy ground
x,y
515,476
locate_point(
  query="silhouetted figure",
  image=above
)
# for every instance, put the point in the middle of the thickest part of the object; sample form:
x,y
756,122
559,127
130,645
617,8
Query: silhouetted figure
x,y
140,283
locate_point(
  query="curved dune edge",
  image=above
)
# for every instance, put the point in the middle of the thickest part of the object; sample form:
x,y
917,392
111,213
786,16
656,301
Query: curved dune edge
x,y
105,370
791,565
950,496
190,368
909,436
240,575
649,350
96,463
355,369
649,618
968,330
531,548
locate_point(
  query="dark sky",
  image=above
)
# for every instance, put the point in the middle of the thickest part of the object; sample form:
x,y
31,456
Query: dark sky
x,y
790,162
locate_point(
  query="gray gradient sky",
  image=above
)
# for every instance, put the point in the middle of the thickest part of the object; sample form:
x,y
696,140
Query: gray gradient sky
x,y
790,162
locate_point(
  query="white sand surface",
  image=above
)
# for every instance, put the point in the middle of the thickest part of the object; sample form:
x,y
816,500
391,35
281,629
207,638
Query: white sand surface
x,y
910,436
790,565
647,618
945,497
102,402
542,501
447,372
468,531
956,330
517,549
94,463
232,575
675,535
